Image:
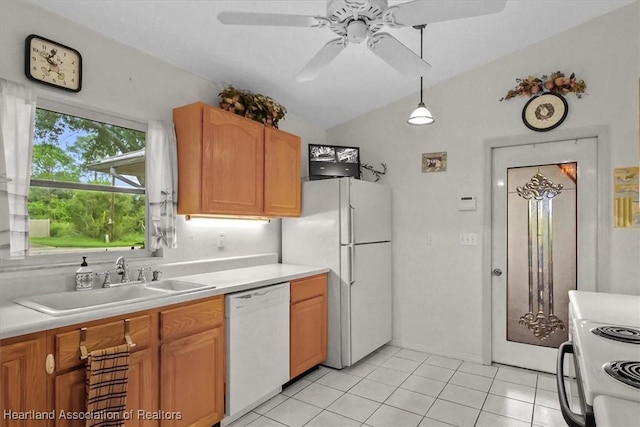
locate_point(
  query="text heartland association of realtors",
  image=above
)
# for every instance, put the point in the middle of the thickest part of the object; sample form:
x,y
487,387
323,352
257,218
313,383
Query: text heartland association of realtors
x,y
140,414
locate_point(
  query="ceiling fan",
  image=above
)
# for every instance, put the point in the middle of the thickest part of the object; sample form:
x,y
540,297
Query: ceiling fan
x,y
355,21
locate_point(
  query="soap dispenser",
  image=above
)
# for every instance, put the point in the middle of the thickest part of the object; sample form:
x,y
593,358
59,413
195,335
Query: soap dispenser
x,y
84,276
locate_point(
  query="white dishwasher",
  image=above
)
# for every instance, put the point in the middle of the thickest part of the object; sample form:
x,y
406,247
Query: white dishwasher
x,y
257,347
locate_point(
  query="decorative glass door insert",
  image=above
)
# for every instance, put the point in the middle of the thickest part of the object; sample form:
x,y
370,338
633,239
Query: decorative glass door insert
x,y
541,252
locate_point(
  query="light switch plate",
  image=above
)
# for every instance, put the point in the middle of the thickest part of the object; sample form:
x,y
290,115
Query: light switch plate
x,y
431,239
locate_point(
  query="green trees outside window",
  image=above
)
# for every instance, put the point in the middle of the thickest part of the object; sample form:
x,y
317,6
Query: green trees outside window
x,y
73,158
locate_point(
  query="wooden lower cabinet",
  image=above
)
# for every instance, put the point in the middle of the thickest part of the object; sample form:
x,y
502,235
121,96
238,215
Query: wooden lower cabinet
x,y
23,380
308,320
193,379
142,400
192,363
69,397
177,365
176,370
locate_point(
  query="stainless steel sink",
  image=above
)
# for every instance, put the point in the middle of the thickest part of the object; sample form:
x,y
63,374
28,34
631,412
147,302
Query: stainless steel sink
x,y
71,302
170,285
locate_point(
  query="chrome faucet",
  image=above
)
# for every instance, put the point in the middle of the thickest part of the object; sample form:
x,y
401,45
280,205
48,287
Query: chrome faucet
x,y
122,269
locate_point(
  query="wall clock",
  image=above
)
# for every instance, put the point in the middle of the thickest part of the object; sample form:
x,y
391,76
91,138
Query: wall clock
x,y
545,112
52,63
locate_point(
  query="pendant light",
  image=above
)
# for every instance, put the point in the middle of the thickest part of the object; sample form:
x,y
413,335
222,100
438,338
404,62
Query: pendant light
x,y
421,115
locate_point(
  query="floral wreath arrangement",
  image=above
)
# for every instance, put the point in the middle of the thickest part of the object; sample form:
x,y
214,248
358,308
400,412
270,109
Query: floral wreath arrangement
x,y
253,106
555,83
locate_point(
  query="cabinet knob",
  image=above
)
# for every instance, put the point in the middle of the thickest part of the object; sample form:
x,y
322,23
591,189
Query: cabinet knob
x,y
50,364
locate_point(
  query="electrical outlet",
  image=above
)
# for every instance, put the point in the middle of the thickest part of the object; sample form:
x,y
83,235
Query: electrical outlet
x,y
468,239
221,239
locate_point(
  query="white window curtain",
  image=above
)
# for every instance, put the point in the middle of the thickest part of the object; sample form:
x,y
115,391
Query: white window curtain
x,y
17,120
161,181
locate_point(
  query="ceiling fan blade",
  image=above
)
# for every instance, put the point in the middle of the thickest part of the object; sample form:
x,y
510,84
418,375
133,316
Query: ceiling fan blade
x,y
321,59
396,54
426,11
270,19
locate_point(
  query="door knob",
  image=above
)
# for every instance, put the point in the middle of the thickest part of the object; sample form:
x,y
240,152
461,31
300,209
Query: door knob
x,y
496,272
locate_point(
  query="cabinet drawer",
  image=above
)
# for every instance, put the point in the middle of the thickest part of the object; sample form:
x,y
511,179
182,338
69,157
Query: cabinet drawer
x,y
100,336
189,319
308,287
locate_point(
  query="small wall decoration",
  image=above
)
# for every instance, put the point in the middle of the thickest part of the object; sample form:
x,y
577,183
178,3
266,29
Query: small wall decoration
x,y
545,112
376,173
434,162
253,106
555,83
548,108
626,186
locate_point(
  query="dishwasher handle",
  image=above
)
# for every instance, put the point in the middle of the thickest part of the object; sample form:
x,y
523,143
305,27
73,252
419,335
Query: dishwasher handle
x,y
572,419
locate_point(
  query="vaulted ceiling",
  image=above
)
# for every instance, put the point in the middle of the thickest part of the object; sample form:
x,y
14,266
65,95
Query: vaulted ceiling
x,y
265,59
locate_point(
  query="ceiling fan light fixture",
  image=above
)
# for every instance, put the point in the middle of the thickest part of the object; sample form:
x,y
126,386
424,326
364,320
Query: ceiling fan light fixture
x,y
421,116
357,31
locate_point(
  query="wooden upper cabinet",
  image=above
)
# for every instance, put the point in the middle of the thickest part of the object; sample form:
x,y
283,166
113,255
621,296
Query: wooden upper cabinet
x,y
230,165
281,173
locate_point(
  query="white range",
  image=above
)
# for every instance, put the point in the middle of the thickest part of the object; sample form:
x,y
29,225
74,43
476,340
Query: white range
x,y
605,342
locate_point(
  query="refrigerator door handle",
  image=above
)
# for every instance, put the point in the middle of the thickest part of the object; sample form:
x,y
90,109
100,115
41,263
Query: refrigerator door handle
x,y
352,265
352,225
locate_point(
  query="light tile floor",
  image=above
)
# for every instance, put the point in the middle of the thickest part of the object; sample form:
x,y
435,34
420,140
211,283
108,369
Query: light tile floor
x,y
396,387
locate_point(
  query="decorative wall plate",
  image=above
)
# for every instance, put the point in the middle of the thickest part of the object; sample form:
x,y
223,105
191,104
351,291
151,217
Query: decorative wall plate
x,y
545,112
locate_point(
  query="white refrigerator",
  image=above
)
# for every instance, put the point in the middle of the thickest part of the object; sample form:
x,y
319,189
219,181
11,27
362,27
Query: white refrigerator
x,y
346,225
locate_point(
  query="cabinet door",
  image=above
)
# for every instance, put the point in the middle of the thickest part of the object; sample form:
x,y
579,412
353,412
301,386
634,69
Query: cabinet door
x,y
308,334
281,173
142,390
22,370
70,398
192,379
142,393
232,164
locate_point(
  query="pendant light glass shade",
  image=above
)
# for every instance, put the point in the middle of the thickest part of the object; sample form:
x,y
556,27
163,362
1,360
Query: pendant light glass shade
x,y
421,115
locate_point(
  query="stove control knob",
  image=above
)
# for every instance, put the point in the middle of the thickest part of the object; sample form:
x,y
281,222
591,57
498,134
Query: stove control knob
x,y
496,272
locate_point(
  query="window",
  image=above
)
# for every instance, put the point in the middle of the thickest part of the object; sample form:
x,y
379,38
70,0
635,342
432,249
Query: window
x,y
87,183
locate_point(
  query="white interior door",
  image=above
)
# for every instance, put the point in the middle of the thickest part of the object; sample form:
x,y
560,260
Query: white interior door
x,y
544,243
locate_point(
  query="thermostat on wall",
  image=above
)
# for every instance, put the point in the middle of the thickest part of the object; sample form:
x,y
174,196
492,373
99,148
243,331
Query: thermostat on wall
x,y
467,203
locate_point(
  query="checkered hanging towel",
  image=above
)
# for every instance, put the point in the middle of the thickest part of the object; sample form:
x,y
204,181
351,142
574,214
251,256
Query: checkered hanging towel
x,y
107,377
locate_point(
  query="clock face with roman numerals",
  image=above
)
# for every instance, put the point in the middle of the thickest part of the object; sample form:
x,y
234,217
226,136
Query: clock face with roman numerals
x,y
52,63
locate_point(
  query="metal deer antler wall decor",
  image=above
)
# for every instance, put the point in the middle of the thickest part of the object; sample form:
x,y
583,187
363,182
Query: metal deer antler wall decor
x,y
540,192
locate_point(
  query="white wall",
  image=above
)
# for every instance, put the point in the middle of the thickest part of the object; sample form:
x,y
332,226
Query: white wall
x,y
126,82
438,288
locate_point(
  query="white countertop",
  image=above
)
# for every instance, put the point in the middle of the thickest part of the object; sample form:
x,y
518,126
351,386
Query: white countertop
x,y
18,320
616,309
